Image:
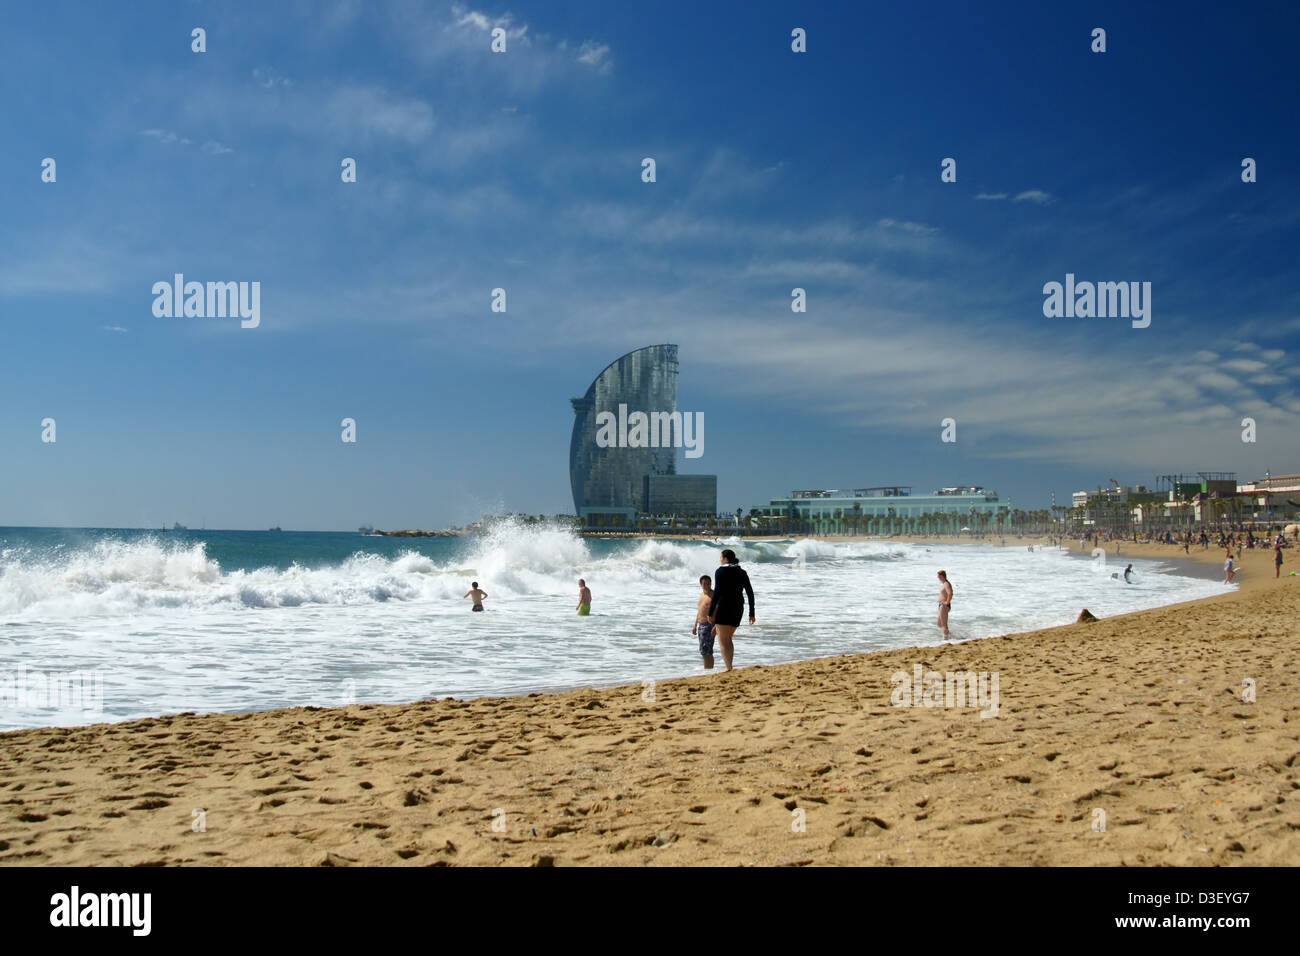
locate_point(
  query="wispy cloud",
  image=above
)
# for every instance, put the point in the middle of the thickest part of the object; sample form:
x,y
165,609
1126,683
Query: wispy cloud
x,y
164,136
871,374
596,56
168,138
479,22
915,228
459,41
1037,196
723,175
269,79
373,111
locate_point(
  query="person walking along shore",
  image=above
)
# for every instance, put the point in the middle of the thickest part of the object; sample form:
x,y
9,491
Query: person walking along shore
x,y
730,587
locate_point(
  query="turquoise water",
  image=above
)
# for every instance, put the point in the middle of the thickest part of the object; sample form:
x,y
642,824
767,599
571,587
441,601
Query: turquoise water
x,y
238,550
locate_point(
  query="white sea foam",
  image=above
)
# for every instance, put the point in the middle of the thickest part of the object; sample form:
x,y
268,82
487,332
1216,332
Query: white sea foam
x,y
172,630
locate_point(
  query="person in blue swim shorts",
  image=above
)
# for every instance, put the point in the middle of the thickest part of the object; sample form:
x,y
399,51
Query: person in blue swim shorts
x,y
702,628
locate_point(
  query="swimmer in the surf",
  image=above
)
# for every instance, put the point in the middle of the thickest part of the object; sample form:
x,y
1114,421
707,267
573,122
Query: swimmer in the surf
x,y
1128,572
477,595
945,603
584,598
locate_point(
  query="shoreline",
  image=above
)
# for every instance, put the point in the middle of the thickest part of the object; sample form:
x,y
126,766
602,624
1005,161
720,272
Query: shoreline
x,y
1204,564
1137,715
1210,558
1182,565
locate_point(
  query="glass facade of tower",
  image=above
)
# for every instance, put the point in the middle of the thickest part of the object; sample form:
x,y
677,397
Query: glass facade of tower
x,y
681,494
613,479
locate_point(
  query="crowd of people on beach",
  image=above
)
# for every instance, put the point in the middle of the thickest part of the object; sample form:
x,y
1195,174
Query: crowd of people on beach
x,y
1232,540
1234,536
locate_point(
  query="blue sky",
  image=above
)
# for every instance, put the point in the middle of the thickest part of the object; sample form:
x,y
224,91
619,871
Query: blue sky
x,y
522,171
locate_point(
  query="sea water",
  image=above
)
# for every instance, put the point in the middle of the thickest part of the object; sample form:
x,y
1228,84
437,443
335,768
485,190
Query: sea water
x,y
243,621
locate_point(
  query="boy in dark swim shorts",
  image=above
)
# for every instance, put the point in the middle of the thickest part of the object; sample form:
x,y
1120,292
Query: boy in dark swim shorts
x,y
478,596
702,628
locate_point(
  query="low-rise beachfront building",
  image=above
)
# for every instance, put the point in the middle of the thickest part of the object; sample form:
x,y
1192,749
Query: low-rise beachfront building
x,y
1271,498
1183,502
1112,505
1272,485
887,509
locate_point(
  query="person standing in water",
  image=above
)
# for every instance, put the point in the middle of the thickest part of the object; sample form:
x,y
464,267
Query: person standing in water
x,y
1228,572
1128,574
730,587
702,629
945,603
584,598
477,595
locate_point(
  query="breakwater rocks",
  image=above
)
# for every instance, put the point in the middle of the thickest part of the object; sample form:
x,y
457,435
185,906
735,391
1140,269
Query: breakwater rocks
x,y
418,534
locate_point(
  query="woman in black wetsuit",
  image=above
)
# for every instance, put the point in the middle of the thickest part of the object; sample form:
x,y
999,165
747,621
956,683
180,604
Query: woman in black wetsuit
x,y
730,587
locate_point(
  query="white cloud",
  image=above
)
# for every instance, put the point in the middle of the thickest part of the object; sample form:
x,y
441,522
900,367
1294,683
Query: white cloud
x,y
476,20
457,42
916,228
164,136
595,55
269,79
1243,365
1029,195
168,138
796,269
1217,381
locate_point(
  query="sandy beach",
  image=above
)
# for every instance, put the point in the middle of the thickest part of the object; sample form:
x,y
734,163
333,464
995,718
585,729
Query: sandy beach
x,y
1125,741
